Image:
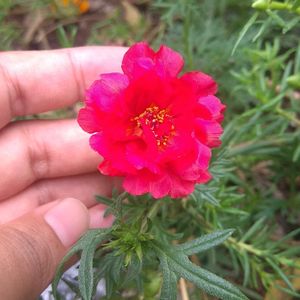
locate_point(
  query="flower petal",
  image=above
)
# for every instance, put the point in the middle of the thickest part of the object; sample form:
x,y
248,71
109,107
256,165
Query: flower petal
x,y
88,121
114,152
141,58
210,108
106,168
137,59
201,83
208,132
197,171
104,92
169,61
138,184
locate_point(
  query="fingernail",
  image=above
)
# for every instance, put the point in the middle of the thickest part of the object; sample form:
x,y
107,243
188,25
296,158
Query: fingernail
x,y
97,219
69,219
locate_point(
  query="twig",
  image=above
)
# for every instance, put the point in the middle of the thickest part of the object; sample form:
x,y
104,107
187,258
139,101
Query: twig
x,y
183,289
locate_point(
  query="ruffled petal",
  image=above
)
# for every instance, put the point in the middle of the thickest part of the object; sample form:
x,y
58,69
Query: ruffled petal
x,y
138,59
88,121
210,108
201,83
208,132
107,169
181,188
204,177
169,61
199,165
170,185
104,93
138,184
141,157
114,152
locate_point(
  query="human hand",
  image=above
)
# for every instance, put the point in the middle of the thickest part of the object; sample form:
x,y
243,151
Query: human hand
x,y
46,165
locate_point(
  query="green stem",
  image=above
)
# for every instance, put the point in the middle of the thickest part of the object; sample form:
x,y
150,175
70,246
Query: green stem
x,y
246,247
150,214
275,5
288,116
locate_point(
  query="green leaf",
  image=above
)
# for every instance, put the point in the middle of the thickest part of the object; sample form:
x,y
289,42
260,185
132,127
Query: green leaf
x,y
253,229
78,247
180,264
104,200
246,266
205,242
169,286
280,273
86,274
244,31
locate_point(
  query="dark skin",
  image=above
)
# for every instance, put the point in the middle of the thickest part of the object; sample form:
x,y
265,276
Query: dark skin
x,y
48,172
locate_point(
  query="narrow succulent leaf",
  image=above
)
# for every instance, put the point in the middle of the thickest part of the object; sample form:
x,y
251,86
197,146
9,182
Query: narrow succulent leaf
x,y
262,29
210,199
297,60
293,293
284,239
276,18
169,285
205,242
280,273
246,267
86,273
286,74
244,31
253,229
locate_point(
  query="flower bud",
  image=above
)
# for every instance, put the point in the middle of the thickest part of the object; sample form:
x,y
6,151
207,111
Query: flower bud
x,y
294,81
261,4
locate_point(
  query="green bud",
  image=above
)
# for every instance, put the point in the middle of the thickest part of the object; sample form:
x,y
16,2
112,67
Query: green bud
x,y
261,4
294,81
275,5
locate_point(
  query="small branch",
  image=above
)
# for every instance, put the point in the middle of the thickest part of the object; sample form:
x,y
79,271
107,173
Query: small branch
x,y
152,212
288,116
183,289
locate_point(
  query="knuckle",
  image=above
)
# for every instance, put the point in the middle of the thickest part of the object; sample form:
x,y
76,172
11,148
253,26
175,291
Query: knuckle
x,y
14,92
38,154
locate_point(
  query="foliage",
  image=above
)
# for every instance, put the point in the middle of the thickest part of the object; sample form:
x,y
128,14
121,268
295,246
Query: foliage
x,y
136,241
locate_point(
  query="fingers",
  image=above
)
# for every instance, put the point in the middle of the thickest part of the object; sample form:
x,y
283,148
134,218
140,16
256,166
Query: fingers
x,y
83,187
32,150
38,81
32,246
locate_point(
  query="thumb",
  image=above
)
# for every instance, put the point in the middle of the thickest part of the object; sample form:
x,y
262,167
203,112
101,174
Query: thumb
x,y
32,246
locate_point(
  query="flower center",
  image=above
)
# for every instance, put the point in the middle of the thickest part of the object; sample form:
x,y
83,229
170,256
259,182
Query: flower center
x,y
158,121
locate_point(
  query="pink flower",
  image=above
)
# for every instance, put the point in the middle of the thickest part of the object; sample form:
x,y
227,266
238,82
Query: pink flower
x,y
153,127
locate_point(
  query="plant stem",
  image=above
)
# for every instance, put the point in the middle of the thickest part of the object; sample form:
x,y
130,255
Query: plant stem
x,y
183,289
152,212
275,5
247,247
288,116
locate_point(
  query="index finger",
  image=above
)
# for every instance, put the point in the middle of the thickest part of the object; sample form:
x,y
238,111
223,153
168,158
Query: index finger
x,y
38,81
